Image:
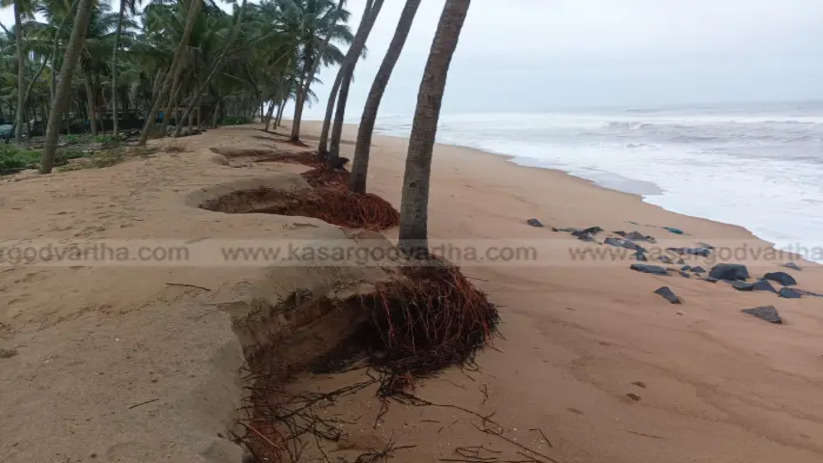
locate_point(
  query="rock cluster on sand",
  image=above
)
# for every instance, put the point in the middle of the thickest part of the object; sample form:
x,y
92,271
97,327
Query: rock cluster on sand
x,y
730,272
636,236
668,294
768,313
586,234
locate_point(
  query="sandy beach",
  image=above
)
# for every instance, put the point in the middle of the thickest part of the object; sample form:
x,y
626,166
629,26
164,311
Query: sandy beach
x,y
140,363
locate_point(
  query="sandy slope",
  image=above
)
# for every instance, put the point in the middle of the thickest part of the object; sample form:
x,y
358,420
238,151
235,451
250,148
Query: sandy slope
x,y
709,383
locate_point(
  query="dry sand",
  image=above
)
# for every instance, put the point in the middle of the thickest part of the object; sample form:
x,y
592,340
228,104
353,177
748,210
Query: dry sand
x,y
589,356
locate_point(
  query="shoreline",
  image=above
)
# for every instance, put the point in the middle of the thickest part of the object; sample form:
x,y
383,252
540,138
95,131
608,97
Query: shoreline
x,y
589,354
511,158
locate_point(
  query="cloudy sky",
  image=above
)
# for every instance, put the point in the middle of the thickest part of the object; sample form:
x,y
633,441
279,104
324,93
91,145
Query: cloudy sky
x,y
536,55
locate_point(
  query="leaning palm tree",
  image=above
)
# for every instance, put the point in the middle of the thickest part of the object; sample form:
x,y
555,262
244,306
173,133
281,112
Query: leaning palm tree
x,y
346,70
360,164
62,94
317,23
173,74
345,84
413,239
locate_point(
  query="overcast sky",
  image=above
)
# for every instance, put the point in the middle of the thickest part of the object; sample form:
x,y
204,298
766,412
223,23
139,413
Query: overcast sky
x,y
534,55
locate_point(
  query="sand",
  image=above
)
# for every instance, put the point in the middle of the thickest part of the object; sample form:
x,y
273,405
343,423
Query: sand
x,y
588,355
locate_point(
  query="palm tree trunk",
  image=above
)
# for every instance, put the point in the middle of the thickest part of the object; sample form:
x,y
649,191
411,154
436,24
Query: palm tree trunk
x,y
279,118
268,117
413,239
21,68
308,78
90,103
360,164
63,92
115,125
174,70
342,99
323,144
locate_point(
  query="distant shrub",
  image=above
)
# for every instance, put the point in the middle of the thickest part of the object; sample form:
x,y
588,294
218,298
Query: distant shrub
x,y
235,120
14,159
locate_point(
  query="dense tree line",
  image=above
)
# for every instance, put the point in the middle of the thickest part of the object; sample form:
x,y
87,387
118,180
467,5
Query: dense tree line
x,y
76,65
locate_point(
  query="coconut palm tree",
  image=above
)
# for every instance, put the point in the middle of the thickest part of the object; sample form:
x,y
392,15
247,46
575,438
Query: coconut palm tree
x,y
354,53
316,23
413,239
360,164
63,92
175,68
345,83
130,7
22,9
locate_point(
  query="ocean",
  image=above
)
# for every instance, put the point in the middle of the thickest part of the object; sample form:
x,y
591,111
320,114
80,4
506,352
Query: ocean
x,y
757,166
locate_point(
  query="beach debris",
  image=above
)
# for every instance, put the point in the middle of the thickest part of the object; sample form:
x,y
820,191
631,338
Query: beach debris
x,y
430,319
666,293
730,272
653,269
676,231
535,223
768,313
781,277
792,266
624,244
790,293
698,269
7,353
705,252
760,285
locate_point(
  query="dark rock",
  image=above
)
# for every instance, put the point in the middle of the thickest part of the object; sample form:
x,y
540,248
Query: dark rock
x,y
665,259
641,257
711,280
698,269
705,252
792,266
668,295
637,236
729,272
624,244
588,233
790,293
620,233
809,293
768,313
564,230
680,261
685,268
743,286
707,246
684,274
653,269
676,231
535,223
781,277
763,285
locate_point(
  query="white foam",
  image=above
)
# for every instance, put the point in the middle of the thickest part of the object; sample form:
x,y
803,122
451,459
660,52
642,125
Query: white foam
x,y
760,168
